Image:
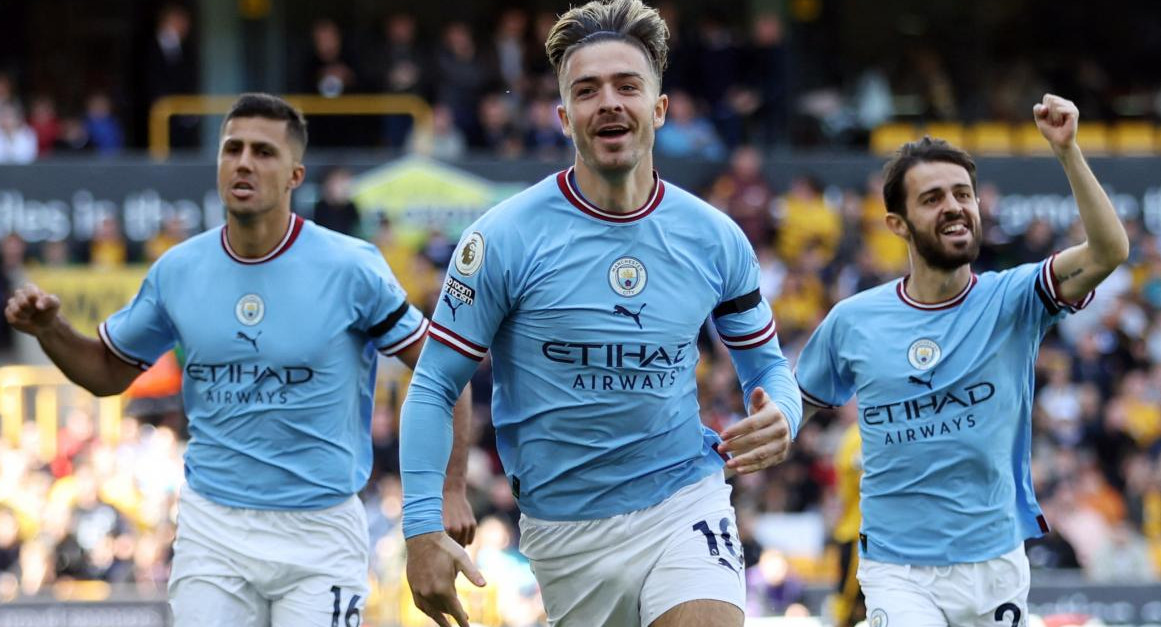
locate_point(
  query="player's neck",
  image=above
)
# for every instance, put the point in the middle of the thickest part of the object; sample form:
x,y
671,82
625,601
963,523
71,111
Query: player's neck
x,y
933,285
616,194
254,236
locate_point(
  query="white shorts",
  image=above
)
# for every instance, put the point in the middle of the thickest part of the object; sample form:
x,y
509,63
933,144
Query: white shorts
x,y
628,570
259,568
982,594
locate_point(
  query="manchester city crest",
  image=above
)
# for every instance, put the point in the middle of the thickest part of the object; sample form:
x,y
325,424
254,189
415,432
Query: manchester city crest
x,y
627,276
878,618
924,354
250,309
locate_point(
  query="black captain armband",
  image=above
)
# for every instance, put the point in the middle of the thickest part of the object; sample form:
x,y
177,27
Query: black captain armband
x,y
390,321
745,302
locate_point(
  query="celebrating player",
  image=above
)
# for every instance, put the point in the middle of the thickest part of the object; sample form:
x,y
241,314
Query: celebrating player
x,y
589,289
281,322
942,365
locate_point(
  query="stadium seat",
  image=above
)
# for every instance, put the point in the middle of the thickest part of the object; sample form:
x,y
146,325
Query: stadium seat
x,y
886,138
989,138
1133,138
951,132
1029,141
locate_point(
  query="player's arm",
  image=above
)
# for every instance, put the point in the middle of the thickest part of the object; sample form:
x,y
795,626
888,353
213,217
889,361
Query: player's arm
x,y
433,558
458,519
762,439
85,361
1079,269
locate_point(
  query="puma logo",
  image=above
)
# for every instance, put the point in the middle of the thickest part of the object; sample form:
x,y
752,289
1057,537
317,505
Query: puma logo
x,y
452,306
621,310
252,340
919,381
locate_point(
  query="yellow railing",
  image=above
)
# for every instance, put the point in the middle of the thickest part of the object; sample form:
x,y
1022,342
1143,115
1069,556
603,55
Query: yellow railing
x,y
52,396
310,104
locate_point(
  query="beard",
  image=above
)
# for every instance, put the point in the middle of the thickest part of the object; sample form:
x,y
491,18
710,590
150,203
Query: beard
x,y
942,257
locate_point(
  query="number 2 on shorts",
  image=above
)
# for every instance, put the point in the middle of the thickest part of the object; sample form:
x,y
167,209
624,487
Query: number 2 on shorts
x,y
1004,609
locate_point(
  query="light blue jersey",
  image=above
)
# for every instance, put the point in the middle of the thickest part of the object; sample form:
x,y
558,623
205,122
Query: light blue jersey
x,y
945,403
280,360
592,320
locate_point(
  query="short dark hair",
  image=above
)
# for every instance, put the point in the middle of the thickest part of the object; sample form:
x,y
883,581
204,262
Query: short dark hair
x,y
257,105
923,150
630,21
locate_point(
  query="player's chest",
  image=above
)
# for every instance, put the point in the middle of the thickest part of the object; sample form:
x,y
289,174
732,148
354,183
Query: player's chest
x,y
633,288
239,320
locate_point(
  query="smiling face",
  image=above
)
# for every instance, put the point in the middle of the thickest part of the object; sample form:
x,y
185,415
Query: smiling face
x,y
942,218
258,166
612,107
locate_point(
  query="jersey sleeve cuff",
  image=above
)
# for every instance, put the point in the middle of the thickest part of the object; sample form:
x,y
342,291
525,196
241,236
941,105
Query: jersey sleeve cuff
x,y
103,334
814,400
411,338
457,342
750,340
1051,291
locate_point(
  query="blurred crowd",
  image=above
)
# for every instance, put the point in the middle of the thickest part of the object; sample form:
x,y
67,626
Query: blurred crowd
x,y
102,509
745,76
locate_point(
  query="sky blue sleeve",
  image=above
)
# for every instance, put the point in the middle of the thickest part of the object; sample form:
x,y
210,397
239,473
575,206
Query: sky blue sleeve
x,y
141,331
765,366
471,307
425,434
392,323
745,322
821,379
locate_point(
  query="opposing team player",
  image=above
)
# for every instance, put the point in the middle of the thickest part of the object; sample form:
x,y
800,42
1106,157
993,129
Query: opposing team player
x,y
281,322
942,365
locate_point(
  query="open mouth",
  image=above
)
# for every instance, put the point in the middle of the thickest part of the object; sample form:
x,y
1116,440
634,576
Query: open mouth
x,y
242,190
613,132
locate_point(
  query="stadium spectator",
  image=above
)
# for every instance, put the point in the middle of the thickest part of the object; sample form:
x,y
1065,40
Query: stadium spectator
x,y
102,127
334,209
744,193
171,68
17,139
45,123
686,134
404,67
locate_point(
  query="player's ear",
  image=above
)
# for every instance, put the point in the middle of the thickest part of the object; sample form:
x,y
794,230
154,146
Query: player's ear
x,y
898,225
297,176
562,115
659,111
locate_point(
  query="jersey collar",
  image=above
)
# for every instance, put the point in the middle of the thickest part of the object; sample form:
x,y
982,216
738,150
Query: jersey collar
x,y
946,304
567,182
292,231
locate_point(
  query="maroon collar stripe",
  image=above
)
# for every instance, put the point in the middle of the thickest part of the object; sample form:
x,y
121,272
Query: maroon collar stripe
x,y
901,290
567,183
292,231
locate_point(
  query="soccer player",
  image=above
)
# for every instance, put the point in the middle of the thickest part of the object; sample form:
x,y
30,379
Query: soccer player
x,y
941,363
282,322
589,289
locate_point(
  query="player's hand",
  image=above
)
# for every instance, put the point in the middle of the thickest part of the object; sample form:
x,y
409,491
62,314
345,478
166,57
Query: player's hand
x,y
759,441
458,519
30,310
433,561
1057,120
